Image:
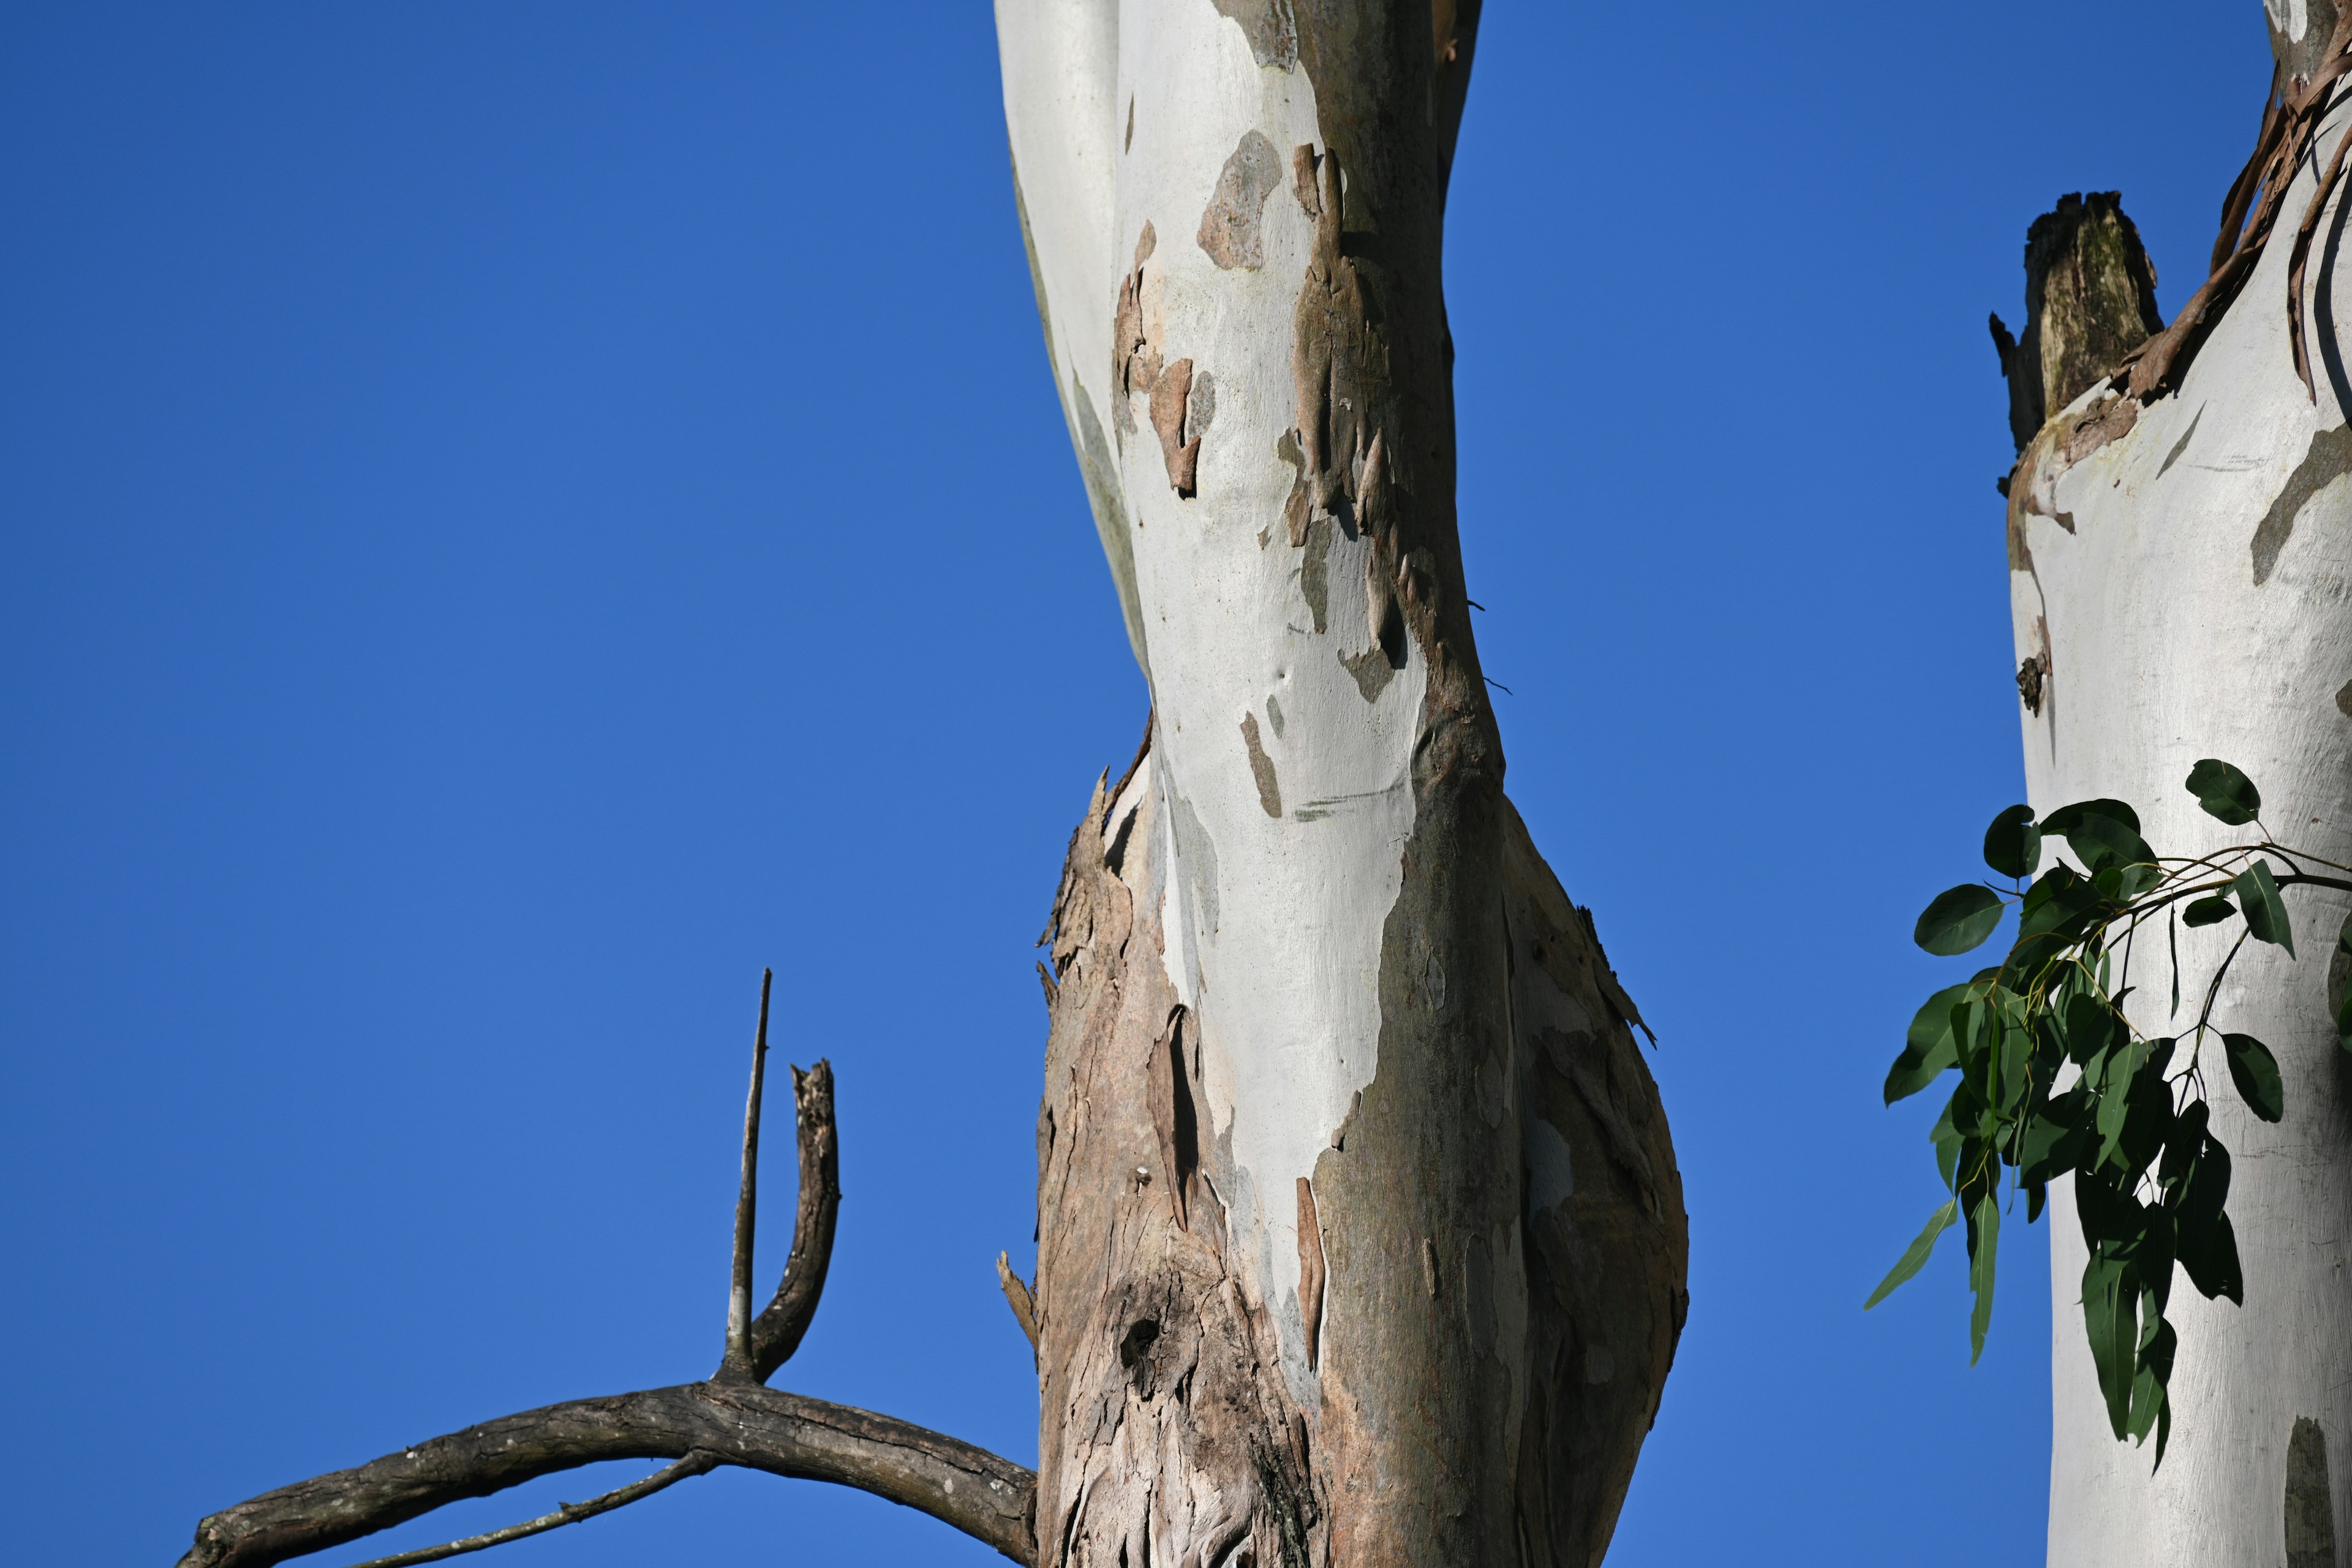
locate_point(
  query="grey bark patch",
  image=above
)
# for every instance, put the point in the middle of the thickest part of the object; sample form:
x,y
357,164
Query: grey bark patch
x,y
1370,669
2344,699
1270,28
1274,714
1315,573
2328,457
1269,789
2310,1512
1230,229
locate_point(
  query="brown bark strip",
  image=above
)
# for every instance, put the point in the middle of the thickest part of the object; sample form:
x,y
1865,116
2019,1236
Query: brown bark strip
x,y
1181,457
1310,1267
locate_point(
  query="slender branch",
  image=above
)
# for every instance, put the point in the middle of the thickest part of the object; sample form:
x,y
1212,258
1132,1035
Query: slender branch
x,y
734,1423
737,1358
694,1464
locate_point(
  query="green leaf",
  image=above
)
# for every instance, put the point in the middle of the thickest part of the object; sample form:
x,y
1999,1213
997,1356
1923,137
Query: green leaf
x,y
2059,903
2209,1253
2154,1371
2055,1140
1984,1248
2258,895
2104,843
2110,1304
1928,1048
2012,845
1915,1258
2224,792
2210,910
2062,820
1959,918
2255,1072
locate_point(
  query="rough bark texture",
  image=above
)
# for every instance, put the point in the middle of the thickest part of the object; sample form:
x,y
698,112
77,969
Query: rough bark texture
x,y
1169,1434
2180,572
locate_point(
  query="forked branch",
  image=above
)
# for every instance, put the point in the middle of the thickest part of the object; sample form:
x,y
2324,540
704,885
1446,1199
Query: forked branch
x,y
731,1419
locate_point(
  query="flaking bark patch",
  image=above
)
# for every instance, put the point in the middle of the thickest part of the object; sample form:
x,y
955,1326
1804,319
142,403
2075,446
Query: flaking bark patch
x,y
1230,230
1168,395
2310,1508
2327,458
1269,788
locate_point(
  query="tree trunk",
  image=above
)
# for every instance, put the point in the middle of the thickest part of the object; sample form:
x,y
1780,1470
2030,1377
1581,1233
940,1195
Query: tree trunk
x,y
2180,574
1360,1238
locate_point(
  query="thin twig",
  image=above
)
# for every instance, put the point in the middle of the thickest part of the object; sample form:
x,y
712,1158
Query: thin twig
x,y
738,1356
694,1464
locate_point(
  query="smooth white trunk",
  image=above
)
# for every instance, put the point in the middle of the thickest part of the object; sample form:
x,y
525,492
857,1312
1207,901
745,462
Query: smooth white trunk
x,y
2190,583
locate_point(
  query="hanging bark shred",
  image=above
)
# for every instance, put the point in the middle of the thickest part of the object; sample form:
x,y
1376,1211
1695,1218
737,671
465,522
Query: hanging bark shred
x,y
2291,122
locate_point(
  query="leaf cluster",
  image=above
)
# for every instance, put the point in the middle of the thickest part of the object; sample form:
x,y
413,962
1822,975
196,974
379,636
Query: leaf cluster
x,y
2055,1082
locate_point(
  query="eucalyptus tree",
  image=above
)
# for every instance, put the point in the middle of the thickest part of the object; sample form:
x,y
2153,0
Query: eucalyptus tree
x,y
1361,1240
2162,1054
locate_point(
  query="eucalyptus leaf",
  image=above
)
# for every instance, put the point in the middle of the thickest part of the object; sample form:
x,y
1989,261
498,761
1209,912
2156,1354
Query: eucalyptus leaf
x,y
2012,845
2109,1306
2208,1255
1984,1251
2211,910
2224,792
2258,895
1928,1048
2107,843
1915,1256
2062,820
2256,1073
1959,918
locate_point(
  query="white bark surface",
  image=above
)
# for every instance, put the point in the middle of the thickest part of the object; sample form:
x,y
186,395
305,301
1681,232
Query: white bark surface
x,y
1279,893
2190,583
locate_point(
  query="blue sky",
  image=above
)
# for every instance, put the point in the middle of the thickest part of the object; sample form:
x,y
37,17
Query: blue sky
x,y
516,517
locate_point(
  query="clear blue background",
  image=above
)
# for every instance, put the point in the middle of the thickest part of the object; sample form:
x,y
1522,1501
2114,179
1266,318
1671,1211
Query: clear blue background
x,y
515,516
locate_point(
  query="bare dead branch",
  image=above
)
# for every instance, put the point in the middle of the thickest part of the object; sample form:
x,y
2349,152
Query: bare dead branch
x,y
731,1420
776,1334
758,1428
695,1464
736,1361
